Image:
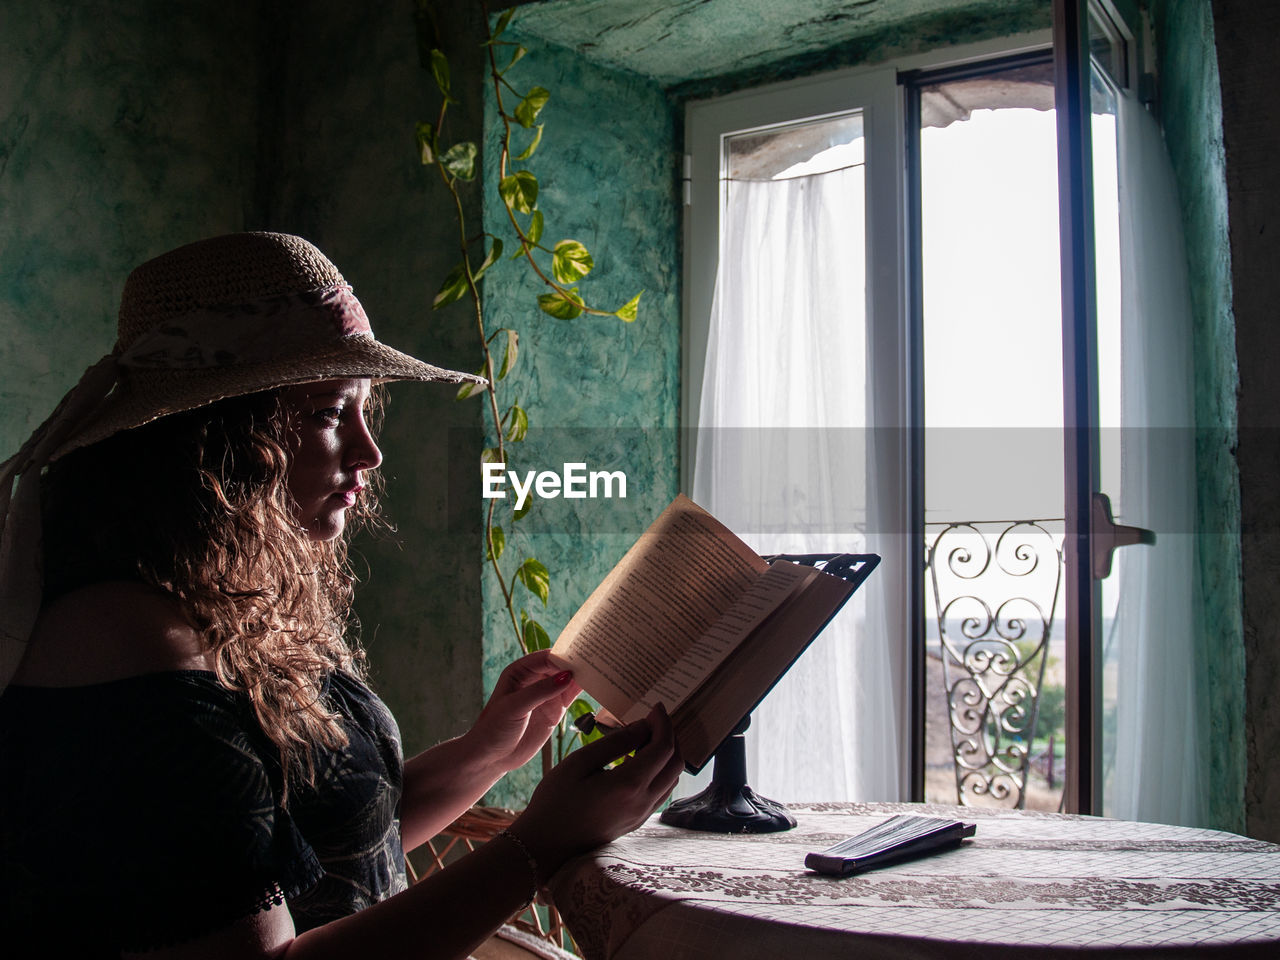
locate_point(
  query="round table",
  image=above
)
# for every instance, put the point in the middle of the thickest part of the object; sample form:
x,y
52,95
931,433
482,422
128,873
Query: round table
x,y
1027,885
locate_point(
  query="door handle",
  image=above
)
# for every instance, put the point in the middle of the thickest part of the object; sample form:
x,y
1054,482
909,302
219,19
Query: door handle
x,y
1107,535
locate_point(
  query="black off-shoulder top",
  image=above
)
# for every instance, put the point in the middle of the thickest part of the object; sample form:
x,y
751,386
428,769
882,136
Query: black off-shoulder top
x,y
147,811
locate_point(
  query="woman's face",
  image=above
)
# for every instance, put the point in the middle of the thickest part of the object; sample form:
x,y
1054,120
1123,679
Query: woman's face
x,y
330,448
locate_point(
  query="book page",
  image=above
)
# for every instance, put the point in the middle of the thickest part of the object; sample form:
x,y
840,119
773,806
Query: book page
x,y
715,708
665,593
711,649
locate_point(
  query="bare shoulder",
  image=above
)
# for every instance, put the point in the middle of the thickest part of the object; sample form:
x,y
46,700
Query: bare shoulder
x,y
108,631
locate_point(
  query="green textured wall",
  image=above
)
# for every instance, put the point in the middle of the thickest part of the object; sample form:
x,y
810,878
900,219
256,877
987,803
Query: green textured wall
x,y
595,387
1245,35
1191,114
124,131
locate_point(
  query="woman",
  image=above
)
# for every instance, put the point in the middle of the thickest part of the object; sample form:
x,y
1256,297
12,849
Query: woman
x,y
193,763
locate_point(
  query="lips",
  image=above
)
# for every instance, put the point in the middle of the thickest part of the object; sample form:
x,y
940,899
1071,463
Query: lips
x,y
350,495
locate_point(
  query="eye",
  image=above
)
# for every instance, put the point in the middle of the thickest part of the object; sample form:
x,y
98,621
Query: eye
x,y
329,415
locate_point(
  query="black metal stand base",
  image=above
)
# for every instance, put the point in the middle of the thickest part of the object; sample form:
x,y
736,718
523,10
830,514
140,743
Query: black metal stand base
x,y
729,805
728,811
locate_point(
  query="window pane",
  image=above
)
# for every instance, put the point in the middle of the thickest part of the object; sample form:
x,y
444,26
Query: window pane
x,y
993,440
799,149
782,450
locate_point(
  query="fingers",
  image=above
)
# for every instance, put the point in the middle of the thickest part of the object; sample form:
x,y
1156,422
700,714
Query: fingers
x,y
666,779
569,694
610,801
555,705
547,692
548,713
660,724
529,668
595,755
652,764
652,771
652,740
533,680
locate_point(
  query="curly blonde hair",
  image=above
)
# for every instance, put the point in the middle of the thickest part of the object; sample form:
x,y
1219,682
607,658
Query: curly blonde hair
x,y
196,504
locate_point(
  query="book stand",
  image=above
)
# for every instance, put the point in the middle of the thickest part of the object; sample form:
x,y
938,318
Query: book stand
x,y
728,805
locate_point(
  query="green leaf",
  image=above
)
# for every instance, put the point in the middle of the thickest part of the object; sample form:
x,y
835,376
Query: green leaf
x,y
516,57
519,191
501,24
628,310
529,150
535,576
535,637
533,234
580,708
499,544
527,110
515,423
490,259
470,389
440,70
570,261
509,354
491,455
562,306
454,286
521,512
426,137
460,160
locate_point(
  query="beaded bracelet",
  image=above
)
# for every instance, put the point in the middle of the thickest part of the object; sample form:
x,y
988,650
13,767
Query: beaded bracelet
x,y
533,864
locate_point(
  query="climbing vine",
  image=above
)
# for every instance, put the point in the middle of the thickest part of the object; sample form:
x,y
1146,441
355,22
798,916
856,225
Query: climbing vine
x,y
559,268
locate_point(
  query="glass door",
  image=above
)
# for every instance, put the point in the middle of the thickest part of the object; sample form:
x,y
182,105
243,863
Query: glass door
x,y
990,325
1151,719
1054,433
796,385
1135,724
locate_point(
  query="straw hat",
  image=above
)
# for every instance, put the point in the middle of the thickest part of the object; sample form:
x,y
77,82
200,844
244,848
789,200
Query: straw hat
x,y
223,317
234,315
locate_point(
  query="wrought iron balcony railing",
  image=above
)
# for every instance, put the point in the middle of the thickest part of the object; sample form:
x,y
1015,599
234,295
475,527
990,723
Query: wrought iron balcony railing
x,y
995,589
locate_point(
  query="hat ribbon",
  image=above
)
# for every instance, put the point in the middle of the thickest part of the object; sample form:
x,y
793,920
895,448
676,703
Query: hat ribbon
x,y
20,523
245,332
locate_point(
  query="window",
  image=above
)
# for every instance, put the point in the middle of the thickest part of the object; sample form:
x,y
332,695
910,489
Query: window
x,y
818,348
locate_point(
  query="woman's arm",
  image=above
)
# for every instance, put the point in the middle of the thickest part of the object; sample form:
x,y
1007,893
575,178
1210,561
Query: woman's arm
x,y
449,913
440,784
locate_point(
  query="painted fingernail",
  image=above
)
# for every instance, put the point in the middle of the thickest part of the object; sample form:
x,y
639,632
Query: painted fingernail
x,y
563,677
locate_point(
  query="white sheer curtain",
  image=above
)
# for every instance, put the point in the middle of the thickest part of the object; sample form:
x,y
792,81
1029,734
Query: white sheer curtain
x,y
1157,771
783,458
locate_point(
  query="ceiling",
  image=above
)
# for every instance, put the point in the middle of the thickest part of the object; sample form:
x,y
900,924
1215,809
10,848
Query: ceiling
x,y
677,41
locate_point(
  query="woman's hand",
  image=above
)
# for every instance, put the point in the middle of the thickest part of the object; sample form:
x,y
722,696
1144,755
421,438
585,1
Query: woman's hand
x,y
527,702
440,783
583,802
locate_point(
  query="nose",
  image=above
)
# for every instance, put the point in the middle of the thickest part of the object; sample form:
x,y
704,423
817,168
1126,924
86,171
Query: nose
x,y
362,451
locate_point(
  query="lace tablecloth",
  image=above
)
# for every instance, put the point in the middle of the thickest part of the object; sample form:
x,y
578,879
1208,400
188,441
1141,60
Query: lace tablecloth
x,y
1029,884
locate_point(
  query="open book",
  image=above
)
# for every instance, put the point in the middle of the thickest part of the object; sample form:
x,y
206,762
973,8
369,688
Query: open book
x,y
693,618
